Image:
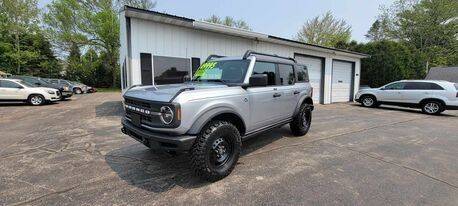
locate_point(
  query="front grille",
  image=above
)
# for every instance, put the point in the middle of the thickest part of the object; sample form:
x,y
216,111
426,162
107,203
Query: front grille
x,y
137,103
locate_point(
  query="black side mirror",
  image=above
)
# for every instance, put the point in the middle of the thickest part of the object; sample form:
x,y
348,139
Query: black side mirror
x,y
258,80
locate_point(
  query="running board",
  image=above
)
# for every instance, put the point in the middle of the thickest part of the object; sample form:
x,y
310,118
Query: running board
x,y
265,129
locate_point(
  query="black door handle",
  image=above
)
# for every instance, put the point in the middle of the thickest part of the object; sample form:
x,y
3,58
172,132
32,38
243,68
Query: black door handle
x,y
296,92
277,95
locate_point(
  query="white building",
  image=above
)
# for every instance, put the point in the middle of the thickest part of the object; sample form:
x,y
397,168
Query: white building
x,y
158,48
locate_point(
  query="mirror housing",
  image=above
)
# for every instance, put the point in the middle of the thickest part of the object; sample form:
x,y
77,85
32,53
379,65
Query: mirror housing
x,y
258,80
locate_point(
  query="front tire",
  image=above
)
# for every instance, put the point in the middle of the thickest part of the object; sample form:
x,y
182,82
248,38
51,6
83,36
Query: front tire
x,y
36,99
369,101
302,121
432,107
216,151
78,91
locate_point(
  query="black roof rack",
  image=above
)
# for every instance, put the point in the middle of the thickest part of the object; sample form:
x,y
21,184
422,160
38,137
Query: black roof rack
x,y
250,52
213,56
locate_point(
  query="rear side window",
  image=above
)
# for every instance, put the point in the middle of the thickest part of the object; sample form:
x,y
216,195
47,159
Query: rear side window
x,y
302,74
422,86
286,74
9,84
266,68
395,86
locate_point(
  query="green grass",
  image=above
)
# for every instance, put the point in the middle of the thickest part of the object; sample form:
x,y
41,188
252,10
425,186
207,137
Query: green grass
x,y
109,89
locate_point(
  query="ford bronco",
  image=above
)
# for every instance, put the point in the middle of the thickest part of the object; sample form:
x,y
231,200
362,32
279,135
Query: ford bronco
x,y
229,99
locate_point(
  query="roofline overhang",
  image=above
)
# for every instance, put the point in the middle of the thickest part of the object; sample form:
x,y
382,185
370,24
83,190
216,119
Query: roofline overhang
x,y
222,29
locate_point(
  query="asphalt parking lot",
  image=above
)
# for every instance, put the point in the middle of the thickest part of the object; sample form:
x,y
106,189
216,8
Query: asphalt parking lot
x,y
73,152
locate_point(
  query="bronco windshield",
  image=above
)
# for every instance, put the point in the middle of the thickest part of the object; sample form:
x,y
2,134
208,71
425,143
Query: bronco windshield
x,y
225,71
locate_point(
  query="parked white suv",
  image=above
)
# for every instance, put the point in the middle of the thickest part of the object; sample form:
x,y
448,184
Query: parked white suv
x,y
432,96
19,90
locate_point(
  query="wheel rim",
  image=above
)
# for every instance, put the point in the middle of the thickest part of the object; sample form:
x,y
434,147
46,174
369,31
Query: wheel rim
x,y
431,107
305,117
220,152
368,101
78,91
36,100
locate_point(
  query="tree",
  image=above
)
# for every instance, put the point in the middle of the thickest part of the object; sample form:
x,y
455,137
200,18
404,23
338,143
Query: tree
x,y
379,30
228,21
389,61
325,31
141,4
430,26
74,66
21,16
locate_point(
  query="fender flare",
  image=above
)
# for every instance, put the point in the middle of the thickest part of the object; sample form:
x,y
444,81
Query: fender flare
x,y
300,102
208,115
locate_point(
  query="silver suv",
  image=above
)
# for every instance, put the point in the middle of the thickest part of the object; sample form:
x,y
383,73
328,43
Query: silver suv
x,y
229,99
432,96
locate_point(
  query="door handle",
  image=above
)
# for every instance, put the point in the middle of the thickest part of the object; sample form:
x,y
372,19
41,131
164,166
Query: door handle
x,y
296,92
277,95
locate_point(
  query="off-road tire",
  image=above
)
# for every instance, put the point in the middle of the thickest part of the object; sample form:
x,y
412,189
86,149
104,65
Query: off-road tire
x,y
369,98
297,126
201,151
427,109
36,100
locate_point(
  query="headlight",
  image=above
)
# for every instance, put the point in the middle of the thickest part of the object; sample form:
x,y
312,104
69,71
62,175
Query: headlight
x,y
166,115
50,92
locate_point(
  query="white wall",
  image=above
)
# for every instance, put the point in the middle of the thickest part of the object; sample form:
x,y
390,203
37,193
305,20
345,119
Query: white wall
x,y
176,41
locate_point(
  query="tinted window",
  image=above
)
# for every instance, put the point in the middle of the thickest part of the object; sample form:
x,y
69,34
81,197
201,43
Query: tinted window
x,y
395,86
422,86
286,74
266,68
302,74
170,70
9,84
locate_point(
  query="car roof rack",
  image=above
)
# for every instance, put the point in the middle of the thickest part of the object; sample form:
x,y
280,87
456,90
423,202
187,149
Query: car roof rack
x,y
213,56
250,52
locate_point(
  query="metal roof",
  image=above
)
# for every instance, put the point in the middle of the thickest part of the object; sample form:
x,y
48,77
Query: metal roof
x,y
202,25
443,73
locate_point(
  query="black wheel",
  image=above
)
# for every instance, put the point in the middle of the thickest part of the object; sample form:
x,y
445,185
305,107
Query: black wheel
x,y
216,150
369,101
301,122
432,107
36,99
77,91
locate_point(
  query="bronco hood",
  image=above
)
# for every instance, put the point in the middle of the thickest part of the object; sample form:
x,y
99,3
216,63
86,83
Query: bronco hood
x,y
166,93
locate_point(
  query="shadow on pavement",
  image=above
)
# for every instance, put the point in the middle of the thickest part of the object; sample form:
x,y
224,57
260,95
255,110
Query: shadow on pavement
x,y
404,109
109,109
159,172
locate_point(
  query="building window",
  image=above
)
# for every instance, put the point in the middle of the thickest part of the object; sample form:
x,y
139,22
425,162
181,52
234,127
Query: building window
x,y
286,74
146,69
170,70
195,62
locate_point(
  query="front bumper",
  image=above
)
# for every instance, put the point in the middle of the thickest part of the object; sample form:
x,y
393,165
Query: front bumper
x,y
66,94
158,141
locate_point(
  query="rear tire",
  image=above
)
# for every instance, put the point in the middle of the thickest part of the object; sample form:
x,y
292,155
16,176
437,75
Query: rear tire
x,y
302,121
369,101
432,107
216,151
36,100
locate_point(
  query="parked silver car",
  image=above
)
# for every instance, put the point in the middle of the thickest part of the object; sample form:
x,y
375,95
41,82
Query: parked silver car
x,y
432,96
229,100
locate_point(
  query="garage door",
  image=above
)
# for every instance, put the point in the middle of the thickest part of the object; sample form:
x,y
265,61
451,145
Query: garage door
x,y
314,67
341,81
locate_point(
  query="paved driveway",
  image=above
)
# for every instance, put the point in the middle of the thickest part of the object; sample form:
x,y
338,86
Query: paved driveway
x,y
74,153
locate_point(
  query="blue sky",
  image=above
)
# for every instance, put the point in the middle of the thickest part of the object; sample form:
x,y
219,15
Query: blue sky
x,y
279,18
